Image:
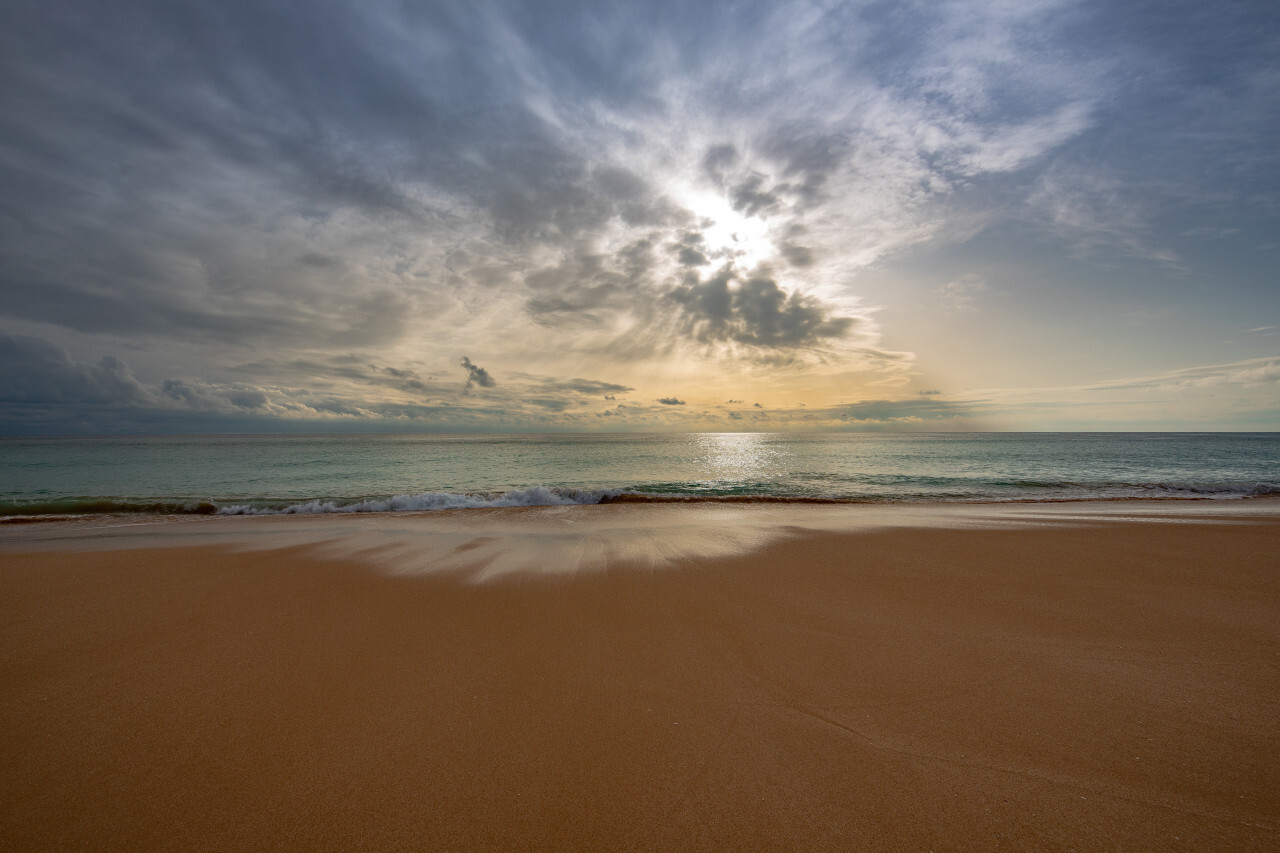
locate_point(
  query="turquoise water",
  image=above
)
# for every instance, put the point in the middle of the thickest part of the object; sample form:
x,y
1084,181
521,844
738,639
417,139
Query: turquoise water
x,y
413,472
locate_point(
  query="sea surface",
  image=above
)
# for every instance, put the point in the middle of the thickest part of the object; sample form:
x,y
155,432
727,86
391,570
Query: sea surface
x,y
385,473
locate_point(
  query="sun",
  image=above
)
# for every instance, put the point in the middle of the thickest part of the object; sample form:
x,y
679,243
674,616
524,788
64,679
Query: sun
x,y
729,234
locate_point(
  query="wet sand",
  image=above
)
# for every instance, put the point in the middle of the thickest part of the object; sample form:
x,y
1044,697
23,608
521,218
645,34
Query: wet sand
x,y
1106,685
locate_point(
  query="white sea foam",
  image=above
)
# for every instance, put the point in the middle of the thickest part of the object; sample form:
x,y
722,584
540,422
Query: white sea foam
x,y
534,496
563,496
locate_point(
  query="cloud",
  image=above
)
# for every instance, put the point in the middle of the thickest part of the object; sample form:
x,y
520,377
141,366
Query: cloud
x,y
253,165
750,198
960,294
755,311
915,412
37,371
1172,385
477,375
249,399
691,257
1098,213
194,397
643,189
1250,372
589,387
797,256
670,401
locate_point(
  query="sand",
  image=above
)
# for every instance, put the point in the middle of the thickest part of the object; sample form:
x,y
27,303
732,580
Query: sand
x,y
1110,685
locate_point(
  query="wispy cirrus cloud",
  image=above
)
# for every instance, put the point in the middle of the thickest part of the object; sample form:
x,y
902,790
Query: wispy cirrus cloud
x,y
1098,212
1254,371
960,294
1249,372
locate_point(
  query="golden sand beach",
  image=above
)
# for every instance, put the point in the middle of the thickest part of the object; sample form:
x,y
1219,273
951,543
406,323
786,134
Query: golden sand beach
x,y
775,679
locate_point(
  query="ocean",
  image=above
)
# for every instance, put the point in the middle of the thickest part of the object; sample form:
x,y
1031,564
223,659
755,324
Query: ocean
x,y
386,473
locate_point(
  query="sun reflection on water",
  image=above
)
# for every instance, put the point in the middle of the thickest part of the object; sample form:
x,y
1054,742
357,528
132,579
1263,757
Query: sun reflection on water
x,y
738,458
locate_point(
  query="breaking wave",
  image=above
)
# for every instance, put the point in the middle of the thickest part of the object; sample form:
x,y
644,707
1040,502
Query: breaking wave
x,y
535,496
990,491
105,506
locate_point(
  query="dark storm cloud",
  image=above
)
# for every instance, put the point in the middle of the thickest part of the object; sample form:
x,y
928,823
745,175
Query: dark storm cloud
x,y
190,395
203,398
36,371
337,407
477,375
249,399
756,311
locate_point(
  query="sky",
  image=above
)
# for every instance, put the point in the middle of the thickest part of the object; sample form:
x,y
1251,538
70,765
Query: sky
x,y
274,216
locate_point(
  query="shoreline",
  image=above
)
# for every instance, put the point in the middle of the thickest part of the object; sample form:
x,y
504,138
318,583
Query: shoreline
x,y
24,511
489,542
1047,680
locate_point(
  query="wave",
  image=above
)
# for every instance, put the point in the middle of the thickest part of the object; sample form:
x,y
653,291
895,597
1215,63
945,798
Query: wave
x,y
106,506
535,496
990,491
